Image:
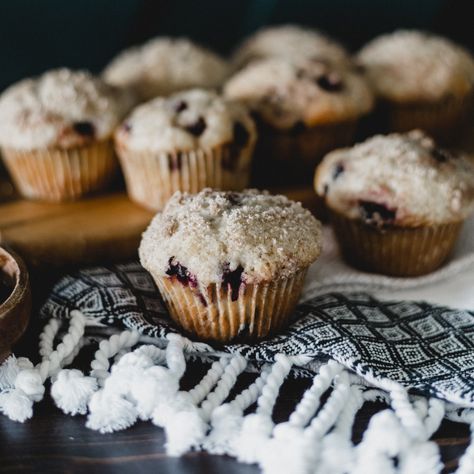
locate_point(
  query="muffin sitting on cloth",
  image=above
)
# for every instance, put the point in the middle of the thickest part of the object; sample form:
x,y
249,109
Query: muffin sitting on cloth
x,y
424,81
397,202
304,107
166,65
188,141
289,41
56,133
230,266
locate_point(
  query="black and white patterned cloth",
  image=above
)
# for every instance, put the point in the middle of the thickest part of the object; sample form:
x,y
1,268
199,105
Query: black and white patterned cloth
x,y
426,348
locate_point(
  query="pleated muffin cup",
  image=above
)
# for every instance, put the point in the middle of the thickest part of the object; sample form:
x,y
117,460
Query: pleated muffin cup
x,y
152,178
224,314
443,119
61,174
289,157
394,250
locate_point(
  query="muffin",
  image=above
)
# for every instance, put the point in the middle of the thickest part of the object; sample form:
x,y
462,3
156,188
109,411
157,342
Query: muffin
x,y
303,108
289,41
166,65
186,142
423,81
56,134
230,266
397,202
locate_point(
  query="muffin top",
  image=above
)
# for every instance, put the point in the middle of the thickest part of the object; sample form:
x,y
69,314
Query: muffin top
x,y
166,65
194,119
213,236
288,93
288,41
397,180
412,66
61,108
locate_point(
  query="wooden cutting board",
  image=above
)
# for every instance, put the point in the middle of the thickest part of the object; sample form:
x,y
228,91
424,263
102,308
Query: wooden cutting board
x,y
103,228
98,229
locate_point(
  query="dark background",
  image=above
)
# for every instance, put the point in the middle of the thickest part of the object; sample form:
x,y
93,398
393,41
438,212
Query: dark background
x,y
36,35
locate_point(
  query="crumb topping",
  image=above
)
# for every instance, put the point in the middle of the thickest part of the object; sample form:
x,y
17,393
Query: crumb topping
x,y
195,119
289,41
61,108
306,91
415,66
397,179
217,236
165,65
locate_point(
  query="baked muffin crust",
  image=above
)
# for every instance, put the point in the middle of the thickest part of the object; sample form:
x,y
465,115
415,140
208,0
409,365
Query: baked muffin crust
x,y
61,108
194,119
307,92
215,235
165,65
412,66
397,179
288,41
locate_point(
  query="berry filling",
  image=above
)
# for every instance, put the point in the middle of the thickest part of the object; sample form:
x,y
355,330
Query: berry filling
x,y
127,127
185,277
233,198
441,156
180,106
377,214
232,279
85,129
182,274
330,82
338,170
197,128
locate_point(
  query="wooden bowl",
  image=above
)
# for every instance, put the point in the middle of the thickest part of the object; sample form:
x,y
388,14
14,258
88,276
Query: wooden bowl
x,y
15,300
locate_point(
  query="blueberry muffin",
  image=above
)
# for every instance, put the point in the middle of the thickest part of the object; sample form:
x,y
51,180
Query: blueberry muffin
x,y
230,266
56,133
186,142
289,41
423,81
303,108
163,66
397,202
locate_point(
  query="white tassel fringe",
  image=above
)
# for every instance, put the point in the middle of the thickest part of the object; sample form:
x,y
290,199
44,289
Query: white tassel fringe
x,y
124,386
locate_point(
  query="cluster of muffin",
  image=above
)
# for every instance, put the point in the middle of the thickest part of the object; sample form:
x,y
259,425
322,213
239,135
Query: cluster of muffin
x,y
190,131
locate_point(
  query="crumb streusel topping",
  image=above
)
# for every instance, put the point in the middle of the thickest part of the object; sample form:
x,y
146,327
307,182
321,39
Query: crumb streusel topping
x,y
411,66
397,179
289,41
215,234
61,108
194,119
306,92
165,65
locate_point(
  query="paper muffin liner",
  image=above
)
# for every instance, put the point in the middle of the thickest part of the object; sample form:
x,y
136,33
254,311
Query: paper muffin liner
x,y
395,251
286,158
56,174
221,315
152,178
442,120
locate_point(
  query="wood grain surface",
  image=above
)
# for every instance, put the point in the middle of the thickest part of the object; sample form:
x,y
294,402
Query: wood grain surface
x,y
101,228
